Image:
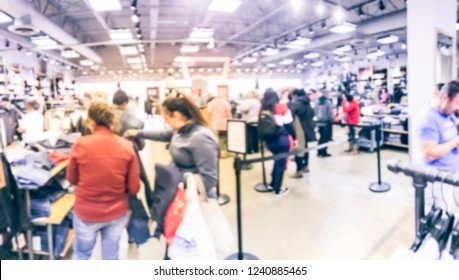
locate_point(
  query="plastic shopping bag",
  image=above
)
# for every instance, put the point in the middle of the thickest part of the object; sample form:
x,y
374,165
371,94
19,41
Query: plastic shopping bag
x,y
174,215
217,223
193,239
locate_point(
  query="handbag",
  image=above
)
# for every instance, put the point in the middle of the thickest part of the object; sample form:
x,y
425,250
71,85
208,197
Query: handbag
x,y
174,215
216,221
193,239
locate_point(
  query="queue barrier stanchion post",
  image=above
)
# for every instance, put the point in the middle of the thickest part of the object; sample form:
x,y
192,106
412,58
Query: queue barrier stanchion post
x,y
240,255
263,187
379,186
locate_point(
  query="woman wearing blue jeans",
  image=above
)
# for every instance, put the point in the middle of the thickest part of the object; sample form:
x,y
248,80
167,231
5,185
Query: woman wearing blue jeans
x,y
281,143
105,170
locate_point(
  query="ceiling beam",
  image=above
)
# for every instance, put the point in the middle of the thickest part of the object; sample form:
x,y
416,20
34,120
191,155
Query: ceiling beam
x,y
154,12
257,23
21,8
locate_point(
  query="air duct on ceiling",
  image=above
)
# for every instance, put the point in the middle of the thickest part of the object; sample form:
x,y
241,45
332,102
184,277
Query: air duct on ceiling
x,y
20,8
23,26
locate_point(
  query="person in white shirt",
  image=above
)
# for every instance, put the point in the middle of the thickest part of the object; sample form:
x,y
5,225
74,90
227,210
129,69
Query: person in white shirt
x,y
250,109
32,124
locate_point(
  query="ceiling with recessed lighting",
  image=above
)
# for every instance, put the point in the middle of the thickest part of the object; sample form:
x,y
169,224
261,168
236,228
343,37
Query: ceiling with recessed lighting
x,y
155,34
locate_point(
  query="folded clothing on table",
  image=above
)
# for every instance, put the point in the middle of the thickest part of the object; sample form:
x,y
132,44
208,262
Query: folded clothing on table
x,y
40,160
60,234
59,144
40,207
59,157
31,177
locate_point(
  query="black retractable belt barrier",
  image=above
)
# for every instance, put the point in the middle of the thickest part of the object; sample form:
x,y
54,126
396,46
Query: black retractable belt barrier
x,y
421,176
378,186
241,255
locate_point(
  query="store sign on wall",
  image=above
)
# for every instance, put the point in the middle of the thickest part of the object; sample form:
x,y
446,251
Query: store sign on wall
x,y
237,137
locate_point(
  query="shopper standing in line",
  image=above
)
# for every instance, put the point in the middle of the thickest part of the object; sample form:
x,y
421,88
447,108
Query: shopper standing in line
x,y
303,114
339,99
324,113
250,110
280,143
105,170
352,110
438,132
200,100
193,146
126,118
220,113
148,107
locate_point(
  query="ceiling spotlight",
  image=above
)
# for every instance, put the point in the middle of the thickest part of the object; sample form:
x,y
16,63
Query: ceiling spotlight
x,y
320,8
381,5
339,15
134,5
29,53
324,24
19,48
403,46
311,31
38,55
135,18
296,3
360,12
7,43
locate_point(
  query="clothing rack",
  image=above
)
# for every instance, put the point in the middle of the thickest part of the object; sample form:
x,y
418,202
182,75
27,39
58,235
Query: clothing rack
x,y
421,176
59,210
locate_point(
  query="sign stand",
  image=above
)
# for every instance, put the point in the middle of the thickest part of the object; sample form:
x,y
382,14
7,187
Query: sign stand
x,y
237,143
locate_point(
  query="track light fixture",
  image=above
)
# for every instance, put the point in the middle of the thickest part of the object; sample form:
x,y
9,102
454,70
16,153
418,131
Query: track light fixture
x,y
360,12
134,5
381,5
7,43
311,31
19,48
324,24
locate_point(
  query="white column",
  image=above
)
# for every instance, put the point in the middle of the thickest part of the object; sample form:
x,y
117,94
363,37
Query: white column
x,y
425,18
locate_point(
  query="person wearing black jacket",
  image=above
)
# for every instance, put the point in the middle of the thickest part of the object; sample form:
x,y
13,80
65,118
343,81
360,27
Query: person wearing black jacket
x,y
280,143
302,111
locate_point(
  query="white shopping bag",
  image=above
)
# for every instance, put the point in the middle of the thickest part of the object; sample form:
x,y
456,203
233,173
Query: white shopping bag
x,y
193,240
216,222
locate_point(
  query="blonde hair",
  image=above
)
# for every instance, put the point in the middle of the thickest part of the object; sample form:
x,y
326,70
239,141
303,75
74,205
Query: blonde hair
x,y
103,114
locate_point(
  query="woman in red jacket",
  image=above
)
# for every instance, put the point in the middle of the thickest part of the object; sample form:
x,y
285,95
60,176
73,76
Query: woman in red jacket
x,y
352,110
104,168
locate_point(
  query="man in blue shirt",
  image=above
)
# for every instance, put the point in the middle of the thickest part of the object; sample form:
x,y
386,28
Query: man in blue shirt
x,y
439,135
438,130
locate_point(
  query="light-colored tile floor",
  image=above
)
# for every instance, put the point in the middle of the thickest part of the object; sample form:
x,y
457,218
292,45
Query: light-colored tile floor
x,y
329,213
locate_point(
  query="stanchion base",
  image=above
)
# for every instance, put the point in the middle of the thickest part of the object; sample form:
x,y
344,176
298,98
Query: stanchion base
x,y
379,188
223,199
245,257
247,167
261,187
